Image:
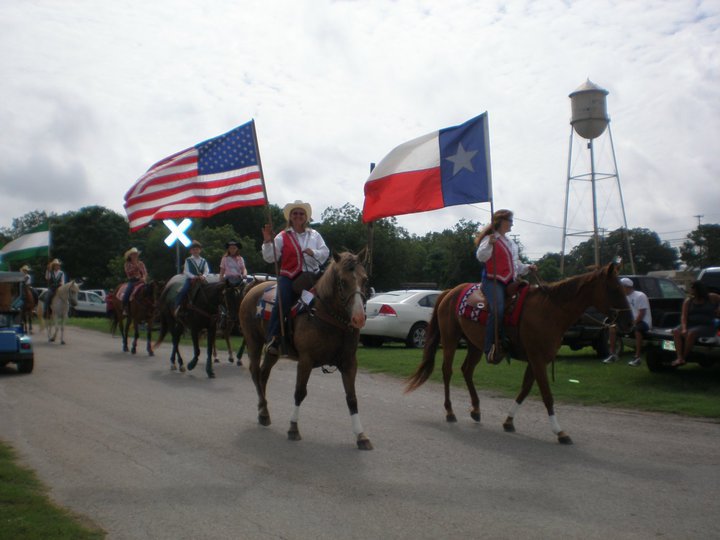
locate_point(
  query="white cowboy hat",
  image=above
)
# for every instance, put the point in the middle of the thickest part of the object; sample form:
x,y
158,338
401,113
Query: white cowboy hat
x,y
130,252
24,268
54,262
289,207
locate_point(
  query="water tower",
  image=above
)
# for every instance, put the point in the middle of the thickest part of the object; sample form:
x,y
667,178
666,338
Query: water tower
x,y
590,121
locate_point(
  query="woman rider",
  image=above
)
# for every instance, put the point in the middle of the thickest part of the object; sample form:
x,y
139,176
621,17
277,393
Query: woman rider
x,y
299,249
55,279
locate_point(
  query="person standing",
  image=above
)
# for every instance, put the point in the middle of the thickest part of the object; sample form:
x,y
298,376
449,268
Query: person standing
x,y
642,322
135,272
196,268
697,320
502,266
299,249
55,278
232,265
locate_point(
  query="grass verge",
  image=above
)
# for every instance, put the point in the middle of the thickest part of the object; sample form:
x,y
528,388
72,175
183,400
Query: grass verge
x,y
26,512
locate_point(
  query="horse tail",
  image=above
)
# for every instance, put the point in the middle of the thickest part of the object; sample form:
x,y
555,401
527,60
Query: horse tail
x,y
432,341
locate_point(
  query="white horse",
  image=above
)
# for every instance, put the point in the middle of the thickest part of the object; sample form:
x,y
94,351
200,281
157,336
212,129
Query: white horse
x,y
65,297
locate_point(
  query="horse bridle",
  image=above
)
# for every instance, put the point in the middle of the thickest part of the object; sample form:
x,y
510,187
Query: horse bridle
x,y
332,317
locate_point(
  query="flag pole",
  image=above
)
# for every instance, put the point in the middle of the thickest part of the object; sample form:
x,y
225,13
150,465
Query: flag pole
x,y
371,240
496,328
268,215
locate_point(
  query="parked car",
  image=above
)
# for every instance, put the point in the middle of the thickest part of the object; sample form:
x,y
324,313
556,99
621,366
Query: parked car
x,y
89,304
661,344
102,293
398,316
665,299
15,345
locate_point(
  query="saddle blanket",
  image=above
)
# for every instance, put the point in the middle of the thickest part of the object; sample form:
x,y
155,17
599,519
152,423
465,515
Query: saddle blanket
x,y
265,304
468,308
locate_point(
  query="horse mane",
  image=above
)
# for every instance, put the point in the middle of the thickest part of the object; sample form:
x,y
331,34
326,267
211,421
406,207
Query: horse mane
x,y
569,288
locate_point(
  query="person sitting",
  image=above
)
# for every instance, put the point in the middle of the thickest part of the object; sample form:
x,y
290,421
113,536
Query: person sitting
x,y
502,265
299,249
697,320
642,321
135,272
55,278
232,265
196,268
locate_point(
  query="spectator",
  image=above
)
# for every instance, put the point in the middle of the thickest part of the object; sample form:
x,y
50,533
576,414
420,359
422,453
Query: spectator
x,y
642,321
697,320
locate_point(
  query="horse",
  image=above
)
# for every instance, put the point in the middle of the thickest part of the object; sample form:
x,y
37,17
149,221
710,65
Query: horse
x,y
327,333
65,296
548,312
141,309
201,314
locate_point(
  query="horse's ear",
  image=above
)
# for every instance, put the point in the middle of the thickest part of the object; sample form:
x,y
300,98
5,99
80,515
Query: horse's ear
x,y
363,255
336,256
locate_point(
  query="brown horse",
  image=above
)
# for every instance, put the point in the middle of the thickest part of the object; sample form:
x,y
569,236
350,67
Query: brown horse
x,y
326,334
28,307
141,309
548,312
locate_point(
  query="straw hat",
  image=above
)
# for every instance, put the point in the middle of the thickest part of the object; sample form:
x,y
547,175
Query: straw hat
x,y
130,252
289,207
24,268
54,262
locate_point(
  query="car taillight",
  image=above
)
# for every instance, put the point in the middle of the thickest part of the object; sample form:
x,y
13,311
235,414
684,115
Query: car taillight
x,y
387,310
25,346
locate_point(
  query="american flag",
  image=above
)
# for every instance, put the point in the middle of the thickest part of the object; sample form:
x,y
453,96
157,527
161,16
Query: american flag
x,y
216,175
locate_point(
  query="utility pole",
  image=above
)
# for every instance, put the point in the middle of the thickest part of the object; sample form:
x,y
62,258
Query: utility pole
x,y
699,218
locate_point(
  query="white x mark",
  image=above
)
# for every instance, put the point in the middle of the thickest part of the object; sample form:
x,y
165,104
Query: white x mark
x,y
177,232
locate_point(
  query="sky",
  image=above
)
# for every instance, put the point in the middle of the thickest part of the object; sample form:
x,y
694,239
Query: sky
x,y
94,93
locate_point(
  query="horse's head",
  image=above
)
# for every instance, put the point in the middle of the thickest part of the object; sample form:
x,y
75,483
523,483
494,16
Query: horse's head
x,y
610,297
346,281
73,289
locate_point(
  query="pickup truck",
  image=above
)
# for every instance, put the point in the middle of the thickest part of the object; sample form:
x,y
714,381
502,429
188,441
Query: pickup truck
x,y
665,298
660,345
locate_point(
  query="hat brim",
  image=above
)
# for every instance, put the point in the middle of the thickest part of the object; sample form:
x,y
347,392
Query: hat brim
x,y
298,204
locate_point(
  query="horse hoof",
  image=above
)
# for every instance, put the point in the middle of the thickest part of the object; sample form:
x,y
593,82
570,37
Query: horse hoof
x,y
173,368
263,420
451,418
182,369
133,351
509,427
150,353
211,375
294,435
62,342
475,415
564,439
125,349
230,359
191,365
364,444
239,363
216,361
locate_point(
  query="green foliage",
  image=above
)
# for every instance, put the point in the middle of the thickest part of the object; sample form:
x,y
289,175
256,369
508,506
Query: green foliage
x,y
702,247
549,267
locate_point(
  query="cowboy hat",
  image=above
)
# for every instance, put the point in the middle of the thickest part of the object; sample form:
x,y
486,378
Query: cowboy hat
x,y
289,207
24,268
233,243
54,262
130,252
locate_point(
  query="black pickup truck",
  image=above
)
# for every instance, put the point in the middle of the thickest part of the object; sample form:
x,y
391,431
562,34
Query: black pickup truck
x,y
660,345
665,299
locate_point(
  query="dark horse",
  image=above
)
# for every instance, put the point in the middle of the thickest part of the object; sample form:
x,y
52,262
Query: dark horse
x,y
327,334
548,312
30,300
141,309
201,314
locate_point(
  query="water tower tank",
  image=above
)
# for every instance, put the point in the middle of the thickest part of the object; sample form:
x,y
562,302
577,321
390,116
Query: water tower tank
x,y
589,110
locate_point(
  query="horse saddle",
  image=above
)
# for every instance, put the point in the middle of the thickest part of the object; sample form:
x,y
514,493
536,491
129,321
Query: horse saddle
x,y
121,290
473,305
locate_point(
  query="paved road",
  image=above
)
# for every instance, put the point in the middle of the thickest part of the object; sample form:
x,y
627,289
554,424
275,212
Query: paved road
x,y
152,454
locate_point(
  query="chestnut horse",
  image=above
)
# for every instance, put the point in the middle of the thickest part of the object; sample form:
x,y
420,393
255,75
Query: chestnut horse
x,y
548,312
325,335
141,309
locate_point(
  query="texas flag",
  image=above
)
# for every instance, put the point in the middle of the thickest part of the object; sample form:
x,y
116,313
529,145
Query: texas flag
x,y
443,168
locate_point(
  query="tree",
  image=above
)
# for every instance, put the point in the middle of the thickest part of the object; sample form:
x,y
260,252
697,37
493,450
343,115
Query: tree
x,y
549,266
702,247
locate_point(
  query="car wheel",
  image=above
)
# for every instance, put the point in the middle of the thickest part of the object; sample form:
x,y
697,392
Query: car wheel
x,y
371,341
602,344
416,336
26,366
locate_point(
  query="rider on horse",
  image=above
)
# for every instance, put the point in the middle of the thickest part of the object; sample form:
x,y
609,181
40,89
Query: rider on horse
x,y
135,272
55,279
502,265
232,265
196,267
299,249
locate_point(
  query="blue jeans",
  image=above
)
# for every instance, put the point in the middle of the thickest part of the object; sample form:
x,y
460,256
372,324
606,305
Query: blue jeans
x,y
128,291
285,293
183,292
495,294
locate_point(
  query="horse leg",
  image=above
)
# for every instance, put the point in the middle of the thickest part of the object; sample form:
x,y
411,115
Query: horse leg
x,y
210,348
62,331
136,327
528,380
240,352
229,346
472,358
448,356
348,379
260,375
124,328
196,349
544,386
304,368
149,348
